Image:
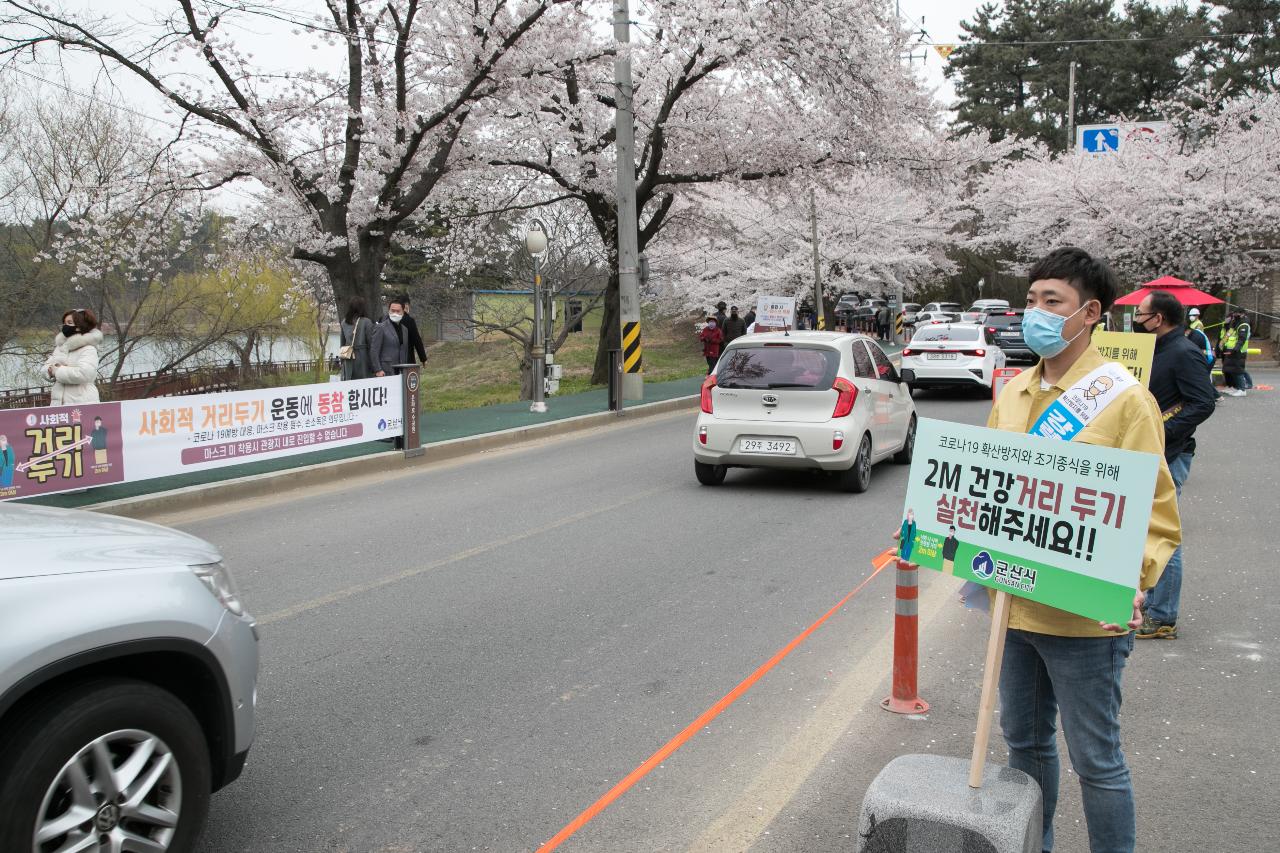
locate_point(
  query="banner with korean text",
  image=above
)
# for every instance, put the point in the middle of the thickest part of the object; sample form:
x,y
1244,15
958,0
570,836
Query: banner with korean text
x,y
56,449
1062,523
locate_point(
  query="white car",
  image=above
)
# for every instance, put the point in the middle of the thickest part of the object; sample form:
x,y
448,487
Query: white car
x,y
819,400
943,307
952,354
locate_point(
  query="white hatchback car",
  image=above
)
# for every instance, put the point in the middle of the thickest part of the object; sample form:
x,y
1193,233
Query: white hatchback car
x,y
951,355
818,400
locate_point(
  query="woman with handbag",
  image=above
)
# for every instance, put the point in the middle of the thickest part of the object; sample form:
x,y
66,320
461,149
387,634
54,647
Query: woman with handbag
x,y
355,330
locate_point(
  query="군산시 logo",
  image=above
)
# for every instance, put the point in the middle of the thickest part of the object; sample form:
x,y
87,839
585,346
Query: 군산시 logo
x,y
983,566
382,425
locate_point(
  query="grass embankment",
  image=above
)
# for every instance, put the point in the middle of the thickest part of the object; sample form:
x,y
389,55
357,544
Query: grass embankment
x,y
466,374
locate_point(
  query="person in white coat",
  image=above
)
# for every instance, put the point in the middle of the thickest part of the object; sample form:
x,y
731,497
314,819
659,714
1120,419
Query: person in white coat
x,y
72,367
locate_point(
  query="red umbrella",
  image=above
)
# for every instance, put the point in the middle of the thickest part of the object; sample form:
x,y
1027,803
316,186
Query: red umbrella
x,y
1183,290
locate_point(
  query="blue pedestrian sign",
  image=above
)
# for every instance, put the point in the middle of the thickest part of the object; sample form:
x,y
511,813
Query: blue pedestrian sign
x,y
1097,140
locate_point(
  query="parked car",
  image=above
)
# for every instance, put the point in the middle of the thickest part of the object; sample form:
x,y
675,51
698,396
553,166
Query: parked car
x,y
909,312
952,354
988,306
818,400
925,318
128,682
1005,327
946,307
847,302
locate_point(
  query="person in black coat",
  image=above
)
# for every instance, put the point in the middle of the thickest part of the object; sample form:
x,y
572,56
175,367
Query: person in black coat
x,y
411,328
389,345
1183,388
734,327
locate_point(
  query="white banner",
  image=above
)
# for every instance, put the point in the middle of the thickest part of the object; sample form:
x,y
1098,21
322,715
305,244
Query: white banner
x,y
176,435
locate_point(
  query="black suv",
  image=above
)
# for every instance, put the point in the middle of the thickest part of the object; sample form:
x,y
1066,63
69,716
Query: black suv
x,y
1005,327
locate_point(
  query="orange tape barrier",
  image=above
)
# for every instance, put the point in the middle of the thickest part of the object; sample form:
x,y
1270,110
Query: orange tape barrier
x,y
706,717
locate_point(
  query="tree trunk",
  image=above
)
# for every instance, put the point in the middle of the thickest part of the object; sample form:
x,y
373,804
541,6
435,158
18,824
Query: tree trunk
x,y
610,328
526,375
358,277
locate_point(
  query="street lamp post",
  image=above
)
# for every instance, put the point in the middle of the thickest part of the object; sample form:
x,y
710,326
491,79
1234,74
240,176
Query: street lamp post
x,y
536,242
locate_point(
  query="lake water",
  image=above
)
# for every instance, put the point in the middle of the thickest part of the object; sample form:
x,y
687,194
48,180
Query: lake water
x,y
25,371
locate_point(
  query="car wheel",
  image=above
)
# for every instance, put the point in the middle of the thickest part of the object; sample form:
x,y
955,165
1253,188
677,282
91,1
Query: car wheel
x,y
709,475
110,765
903,456
858,477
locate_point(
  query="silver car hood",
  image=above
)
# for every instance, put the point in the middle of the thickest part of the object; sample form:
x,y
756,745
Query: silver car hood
x,y
38,541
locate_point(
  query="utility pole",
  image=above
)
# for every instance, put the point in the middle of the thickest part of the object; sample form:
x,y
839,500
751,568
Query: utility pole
x,y
1071,107
819,314
628,237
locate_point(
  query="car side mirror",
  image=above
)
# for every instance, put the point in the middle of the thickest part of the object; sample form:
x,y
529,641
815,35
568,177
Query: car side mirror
x,y
907,376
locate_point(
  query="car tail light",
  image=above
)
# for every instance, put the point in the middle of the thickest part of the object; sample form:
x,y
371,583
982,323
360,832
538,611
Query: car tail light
x,y
707,404
702,435
991,330
848,396
978,352
906,351
837,440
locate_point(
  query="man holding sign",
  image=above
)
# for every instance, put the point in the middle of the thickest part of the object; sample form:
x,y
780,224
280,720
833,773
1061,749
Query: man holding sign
x,y
1057,661
1052,515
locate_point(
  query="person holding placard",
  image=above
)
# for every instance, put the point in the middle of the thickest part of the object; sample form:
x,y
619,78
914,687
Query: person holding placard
x,y
1057,663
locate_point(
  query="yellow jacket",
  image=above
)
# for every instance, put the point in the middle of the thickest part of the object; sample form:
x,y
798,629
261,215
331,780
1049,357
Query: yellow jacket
x,y
1131,422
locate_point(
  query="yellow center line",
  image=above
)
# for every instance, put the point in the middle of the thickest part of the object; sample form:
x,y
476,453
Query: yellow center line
x,y
458,557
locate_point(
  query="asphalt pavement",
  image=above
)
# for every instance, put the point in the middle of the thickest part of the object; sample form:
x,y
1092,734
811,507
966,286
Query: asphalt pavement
x,y
467,656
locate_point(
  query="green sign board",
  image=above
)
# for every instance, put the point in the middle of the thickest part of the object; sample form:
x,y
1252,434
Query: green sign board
x,y
1058,522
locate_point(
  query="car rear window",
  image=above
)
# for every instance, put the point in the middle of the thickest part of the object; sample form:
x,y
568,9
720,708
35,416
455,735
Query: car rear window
x,y
778,366
1000,321
944,333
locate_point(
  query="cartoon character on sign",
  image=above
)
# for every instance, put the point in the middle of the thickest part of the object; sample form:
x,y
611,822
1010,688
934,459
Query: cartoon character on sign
x,y
8,461
98,438
949,546
907,535
1097,388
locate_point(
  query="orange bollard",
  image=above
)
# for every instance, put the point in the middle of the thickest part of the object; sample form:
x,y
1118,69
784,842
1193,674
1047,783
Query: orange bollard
x,y
906,656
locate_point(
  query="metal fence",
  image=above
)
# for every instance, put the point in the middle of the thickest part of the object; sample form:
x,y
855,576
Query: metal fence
x,y
168,383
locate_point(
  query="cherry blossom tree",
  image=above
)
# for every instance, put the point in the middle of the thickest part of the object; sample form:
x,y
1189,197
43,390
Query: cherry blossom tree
x,y
1195,204
726,91
348,154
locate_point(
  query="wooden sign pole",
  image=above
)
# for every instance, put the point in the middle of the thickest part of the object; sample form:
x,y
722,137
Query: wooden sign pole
x,y
990,686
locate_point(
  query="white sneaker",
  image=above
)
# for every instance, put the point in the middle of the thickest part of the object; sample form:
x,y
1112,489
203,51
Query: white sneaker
x,y
1233,392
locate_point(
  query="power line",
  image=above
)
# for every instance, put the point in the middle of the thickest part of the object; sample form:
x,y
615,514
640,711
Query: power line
x,y
1128,40
88,97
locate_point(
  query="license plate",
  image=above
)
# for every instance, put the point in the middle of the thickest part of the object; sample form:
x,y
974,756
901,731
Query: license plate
x,y
941,356
1008,335
768,446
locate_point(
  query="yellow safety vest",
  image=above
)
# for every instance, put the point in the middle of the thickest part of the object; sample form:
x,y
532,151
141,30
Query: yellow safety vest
x,y
1196,324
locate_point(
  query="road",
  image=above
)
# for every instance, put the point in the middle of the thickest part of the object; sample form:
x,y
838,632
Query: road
x,y
466,657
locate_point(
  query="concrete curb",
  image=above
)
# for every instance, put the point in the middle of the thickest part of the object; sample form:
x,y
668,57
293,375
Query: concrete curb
x,y
276,482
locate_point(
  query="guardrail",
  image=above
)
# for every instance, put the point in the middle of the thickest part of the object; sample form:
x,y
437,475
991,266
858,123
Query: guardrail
x,y
178,382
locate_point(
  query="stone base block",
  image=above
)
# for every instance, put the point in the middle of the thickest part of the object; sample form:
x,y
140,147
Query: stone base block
x,y
923,804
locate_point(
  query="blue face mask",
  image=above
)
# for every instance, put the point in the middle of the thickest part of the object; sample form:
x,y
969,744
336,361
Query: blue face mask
x,y
1042,330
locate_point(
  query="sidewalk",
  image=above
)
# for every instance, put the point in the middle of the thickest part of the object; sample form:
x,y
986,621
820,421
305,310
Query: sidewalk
x,y
435,427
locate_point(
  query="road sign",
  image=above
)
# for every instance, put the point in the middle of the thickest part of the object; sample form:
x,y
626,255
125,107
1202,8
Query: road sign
x,y
1110,138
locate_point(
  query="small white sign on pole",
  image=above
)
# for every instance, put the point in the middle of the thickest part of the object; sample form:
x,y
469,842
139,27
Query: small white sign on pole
x,y
776,312
1110,138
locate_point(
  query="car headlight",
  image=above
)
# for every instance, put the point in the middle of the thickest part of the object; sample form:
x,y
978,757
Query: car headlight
x,y
218,581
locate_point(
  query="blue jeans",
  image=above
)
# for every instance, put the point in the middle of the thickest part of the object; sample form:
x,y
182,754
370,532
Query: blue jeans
x,y
1079,677
1162,602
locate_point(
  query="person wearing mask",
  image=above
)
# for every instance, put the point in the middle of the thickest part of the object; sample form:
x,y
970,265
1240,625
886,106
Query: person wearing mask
x,y
1232,346
907,535
721,317
411,326
735,327
712,339
389,345
1200,338
1057,663
356,331
1181,384
72,367
750,319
